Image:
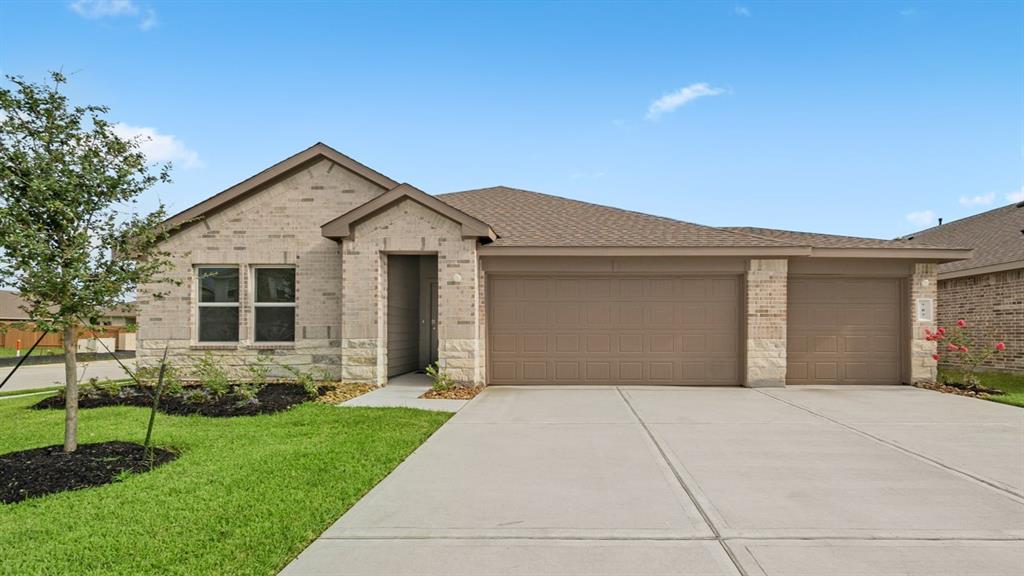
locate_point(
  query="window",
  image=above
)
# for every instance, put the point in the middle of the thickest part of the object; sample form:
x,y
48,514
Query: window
x,y
218,304
274,305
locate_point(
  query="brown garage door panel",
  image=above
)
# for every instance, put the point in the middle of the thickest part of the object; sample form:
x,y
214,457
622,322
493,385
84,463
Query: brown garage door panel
x,y
614,330
844,331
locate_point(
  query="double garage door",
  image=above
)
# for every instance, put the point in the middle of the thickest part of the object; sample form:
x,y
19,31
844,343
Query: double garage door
x,y
622,329
656,330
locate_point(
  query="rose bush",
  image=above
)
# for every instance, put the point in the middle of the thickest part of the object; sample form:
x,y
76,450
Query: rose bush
x,y
964,348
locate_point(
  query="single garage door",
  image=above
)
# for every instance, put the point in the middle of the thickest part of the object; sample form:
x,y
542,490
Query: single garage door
x,y
844,331
564,329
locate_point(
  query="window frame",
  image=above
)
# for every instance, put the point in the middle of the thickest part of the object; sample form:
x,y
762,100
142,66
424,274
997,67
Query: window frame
x,y
197,273
254,304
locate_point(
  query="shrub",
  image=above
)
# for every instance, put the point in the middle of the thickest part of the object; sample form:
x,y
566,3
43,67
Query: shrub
x,y
304,379
440,379
966,349
212,376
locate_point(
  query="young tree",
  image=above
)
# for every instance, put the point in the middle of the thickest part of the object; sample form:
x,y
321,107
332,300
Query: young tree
x,y
71,239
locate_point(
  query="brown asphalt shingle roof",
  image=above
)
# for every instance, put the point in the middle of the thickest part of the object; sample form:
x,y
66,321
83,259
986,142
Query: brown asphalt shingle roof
x,y
527,219
997,237
817,240
10,306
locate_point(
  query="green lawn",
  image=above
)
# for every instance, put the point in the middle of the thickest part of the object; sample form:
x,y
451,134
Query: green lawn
x,y
1012,384
11,352
245,496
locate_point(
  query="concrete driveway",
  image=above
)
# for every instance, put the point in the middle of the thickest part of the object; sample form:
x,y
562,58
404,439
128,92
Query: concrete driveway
x,y
697,481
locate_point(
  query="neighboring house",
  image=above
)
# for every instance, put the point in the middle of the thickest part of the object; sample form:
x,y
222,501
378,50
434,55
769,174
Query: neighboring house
x,y
321,261
988,289
14,323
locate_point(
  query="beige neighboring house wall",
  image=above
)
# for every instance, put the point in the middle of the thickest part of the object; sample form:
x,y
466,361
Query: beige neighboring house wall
x,y
278,225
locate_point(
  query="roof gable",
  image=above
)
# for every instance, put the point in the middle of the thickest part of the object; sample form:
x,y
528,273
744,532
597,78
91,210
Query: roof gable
x,y
276,173
341,227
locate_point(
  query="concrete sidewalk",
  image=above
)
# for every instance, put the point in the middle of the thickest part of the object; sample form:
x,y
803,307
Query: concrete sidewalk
x,y
404,392
709,481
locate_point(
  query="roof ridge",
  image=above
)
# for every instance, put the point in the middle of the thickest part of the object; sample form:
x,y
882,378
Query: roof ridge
x,y
960,221
900,239
635,212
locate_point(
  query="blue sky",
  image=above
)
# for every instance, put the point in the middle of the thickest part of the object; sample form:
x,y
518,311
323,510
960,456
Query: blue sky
x,y
866,119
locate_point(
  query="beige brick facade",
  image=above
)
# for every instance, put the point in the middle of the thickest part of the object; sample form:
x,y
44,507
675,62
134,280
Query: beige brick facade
x,y
279,225
341,284
993,304
408,227
766,322
923,284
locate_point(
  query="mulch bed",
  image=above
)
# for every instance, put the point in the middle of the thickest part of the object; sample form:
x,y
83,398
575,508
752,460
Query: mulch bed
x,y
40,471
960,389
453,393
342,392
272,398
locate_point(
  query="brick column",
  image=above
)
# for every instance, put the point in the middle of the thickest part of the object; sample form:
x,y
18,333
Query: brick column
x,y
766,323
923,284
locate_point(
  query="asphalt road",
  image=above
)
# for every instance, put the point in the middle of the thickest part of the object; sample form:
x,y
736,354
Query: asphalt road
x,y
44,375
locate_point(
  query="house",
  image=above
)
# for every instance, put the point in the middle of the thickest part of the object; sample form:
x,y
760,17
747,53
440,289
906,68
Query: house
x,y
988,289
323,262
14,325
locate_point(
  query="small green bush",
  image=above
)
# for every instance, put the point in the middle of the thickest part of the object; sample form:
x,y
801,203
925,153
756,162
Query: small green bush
x,y
212,376
440,379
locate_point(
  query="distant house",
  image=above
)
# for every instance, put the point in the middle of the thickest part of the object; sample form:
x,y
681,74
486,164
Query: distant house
x,y
988,289
13,319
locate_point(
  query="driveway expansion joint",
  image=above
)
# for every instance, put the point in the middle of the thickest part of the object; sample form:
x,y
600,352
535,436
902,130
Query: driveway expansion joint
x,y
1015,496
679,478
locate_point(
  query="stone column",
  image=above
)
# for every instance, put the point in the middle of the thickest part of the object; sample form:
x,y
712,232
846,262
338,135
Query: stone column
x,y
766,323
923,284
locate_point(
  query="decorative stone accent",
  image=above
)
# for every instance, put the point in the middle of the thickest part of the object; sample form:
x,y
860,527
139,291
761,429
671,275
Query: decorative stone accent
x,y
766,323
923,368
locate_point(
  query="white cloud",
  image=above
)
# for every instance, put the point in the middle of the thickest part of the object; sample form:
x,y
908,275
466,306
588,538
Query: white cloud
x,y
673,100
149,21
1017,196
741,11
96,9
922,218
160,147
980,200
93,9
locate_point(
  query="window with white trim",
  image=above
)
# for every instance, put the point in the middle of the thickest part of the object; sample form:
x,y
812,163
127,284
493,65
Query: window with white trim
x,y
273,304
217,303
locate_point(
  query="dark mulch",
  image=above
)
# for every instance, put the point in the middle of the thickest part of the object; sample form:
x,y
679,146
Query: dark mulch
x,y
272,398
40,471
960,389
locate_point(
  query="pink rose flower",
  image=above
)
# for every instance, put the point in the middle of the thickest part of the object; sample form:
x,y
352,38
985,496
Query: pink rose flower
x,y
963,349
961,323
935,357
942,330
1000,346
952,347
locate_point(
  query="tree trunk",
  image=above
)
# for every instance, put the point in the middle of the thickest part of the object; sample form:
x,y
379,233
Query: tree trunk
x,y
70,391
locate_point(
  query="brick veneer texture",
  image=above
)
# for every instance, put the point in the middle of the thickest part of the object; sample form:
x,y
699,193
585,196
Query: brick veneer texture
x,y
993,304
